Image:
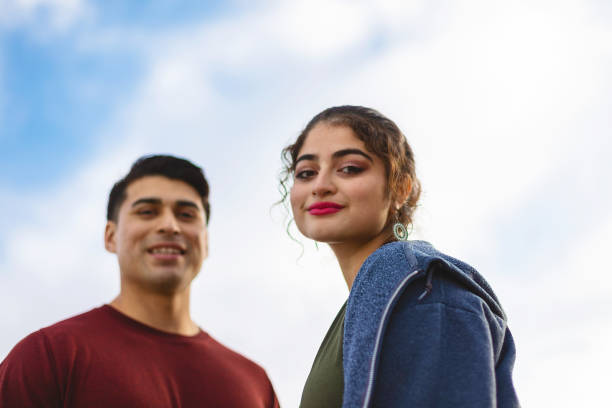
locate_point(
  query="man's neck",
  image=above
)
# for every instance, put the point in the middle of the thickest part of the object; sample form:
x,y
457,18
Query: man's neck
x,y
165,312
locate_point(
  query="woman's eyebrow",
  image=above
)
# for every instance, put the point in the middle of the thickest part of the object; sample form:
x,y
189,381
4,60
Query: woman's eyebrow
x,y
345,152
339,153
305,157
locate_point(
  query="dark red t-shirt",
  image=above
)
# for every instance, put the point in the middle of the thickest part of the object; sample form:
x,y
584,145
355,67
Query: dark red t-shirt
x,y
103,358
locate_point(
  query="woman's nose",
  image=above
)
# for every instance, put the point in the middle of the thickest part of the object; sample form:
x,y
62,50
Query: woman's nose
x,y
323,185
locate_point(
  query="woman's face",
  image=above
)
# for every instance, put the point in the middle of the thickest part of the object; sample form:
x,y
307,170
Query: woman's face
x,y
339,194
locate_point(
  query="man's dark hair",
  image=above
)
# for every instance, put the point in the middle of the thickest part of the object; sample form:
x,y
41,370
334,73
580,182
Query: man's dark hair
x,y
159,165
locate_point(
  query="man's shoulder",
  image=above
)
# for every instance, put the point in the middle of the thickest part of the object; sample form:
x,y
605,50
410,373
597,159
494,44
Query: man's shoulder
x,y
69,333
77,323
236,358
42,340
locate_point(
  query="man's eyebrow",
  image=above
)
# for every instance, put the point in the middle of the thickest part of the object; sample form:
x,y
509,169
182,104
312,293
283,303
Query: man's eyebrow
x,y
345,152
146,200
187,203
157,201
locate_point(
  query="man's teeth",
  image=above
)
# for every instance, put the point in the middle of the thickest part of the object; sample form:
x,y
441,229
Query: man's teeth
x,y
163,250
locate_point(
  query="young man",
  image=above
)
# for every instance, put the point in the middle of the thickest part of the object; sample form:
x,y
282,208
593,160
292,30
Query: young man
x,y
142,349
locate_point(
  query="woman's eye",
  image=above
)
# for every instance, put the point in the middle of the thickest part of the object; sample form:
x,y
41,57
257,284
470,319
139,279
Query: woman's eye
x,y
304,174
351,170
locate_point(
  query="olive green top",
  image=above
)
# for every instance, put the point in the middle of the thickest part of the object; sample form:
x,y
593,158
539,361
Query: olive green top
x,y
325,383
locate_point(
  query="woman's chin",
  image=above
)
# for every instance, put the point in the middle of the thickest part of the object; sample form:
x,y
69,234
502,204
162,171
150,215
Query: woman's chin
x,y
326,237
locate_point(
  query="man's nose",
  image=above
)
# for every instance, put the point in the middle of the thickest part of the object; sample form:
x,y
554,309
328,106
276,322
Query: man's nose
x,y
168,224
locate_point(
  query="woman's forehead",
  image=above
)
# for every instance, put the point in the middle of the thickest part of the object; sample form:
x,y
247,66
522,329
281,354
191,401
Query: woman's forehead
x,y
326,137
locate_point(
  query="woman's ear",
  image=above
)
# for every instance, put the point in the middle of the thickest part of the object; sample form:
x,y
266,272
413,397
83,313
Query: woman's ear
x,y
403,193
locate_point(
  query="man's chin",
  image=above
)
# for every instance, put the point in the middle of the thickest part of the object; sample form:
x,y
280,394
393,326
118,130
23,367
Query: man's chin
x,y
169,281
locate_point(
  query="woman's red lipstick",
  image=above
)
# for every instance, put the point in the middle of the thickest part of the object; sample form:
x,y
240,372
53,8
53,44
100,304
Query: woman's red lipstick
x,y
324,207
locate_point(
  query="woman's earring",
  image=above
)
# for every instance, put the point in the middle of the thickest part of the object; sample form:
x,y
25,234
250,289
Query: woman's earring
x,y
400,231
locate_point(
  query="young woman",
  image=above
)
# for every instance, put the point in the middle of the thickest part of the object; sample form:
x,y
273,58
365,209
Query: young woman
x,y
419,328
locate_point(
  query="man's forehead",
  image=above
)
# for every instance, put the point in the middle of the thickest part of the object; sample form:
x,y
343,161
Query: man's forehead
x,y
162,189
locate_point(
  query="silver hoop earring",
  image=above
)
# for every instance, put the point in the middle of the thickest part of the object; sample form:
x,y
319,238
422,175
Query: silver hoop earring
x,y
400,231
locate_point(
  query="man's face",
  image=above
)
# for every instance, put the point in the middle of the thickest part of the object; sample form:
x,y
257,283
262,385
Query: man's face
x,y
160,236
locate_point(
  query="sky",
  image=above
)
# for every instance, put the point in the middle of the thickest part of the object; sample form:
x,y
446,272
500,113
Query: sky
x,y
506,105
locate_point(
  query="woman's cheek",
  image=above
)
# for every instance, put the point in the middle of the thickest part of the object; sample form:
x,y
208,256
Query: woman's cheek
x,y
294,200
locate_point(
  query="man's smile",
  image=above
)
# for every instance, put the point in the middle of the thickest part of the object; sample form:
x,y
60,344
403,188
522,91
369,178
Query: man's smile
x,y
166,251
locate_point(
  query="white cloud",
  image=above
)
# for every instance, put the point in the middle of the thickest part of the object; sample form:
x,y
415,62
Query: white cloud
x,y
298,30
318,28
563,323
53,15
492,98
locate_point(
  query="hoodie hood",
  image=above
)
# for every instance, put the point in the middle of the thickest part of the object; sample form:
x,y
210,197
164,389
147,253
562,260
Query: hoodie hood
x,y
380,283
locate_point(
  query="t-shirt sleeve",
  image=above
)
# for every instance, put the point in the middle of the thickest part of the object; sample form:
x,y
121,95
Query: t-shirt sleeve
x,y
274,403
28,375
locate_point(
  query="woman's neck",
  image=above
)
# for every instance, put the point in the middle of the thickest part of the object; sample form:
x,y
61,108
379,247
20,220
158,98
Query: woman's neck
x,y
351,255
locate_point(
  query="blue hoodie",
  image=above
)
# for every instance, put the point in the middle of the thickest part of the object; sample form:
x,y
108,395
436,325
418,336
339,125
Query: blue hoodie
x,y
423,329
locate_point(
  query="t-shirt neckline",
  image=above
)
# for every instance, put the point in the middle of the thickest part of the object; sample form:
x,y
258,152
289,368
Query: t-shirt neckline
x,y
125,319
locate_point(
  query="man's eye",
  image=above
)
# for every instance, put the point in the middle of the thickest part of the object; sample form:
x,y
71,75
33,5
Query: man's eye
x,y
186,214
145,212
351,170
304,174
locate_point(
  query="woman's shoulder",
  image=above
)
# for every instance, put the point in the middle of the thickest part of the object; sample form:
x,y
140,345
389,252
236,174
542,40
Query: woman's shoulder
x,y
410,255
381,272
396,260
440,277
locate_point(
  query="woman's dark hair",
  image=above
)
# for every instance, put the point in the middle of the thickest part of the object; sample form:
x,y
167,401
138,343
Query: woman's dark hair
x,y
159,165
382,137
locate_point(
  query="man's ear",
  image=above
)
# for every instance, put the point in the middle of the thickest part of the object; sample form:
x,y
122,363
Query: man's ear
x,y
205,243
109,236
